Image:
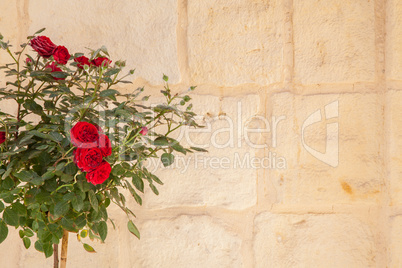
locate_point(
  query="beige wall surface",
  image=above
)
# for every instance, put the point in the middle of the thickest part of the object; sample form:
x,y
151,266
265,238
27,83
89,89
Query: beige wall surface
x,y
320,185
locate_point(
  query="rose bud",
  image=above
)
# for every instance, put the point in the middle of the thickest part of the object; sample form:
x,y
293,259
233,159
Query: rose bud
x,y
84,135
101,60
100,174
28,61
2,137
144,131
61,55
81,61
43,46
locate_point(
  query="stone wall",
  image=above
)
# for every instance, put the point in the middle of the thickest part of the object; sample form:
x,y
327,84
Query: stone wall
x,y
319,186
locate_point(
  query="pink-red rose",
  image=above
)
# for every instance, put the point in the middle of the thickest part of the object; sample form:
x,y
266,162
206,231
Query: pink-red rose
x,y
2,137
54,68
100,174
28,61
144,131
43,45
61,55
81,61
101,60
87,159
84,135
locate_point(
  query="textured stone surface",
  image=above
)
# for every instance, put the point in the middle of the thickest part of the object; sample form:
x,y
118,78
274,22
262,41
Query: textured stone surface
x,y
334,41
395,146
123,26
357,177
235,42
312,241
395,252
394,40
186,241
216,178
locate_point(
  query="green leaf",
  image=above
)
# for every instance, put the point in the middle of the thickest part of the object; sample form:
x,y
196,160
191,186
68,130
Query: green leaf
x,y
118,170
161,141
198,149
48,249
28,233
165,77
93,200
1,206
108,92
138,182
11,217
112,72
77,203
167,159
39,246
102,229
89,248
3,231
61,208
133,229
25,175
153,188
27,242
134,194
38,32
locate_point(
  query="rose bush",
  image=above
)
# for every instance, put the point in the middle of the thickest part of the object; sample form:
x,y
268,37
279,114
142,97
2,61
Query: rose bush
x,y
75,142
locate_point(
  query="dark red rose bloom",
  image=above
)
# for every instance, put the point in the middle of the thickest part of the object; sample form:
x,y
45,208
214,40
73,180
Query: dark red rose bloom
x,y
144,131
84,135
43,46
99,60
100,174
82,61
61,55
105,145
54,68
2,137
87,159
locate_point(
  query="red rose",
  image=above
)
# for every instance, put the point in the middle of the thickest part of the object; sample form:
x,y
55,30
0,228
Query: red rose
x,y
82,61
54,68
105,145
100,174
84,135
61,55
144,131
2,137
43,46
28,61
87,159
101,60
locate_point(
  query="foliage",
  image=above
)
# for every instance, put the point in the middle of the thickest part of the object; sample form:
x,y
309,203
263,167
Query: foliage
x,y
42,191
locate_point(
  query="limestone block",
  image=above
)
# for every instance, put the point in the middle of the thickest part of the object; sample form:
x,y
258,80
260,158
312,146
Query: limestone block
x,y
235,42
312,241
394,40
337,159
395,145
141,32
222,177
186,241
395,245
334,41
